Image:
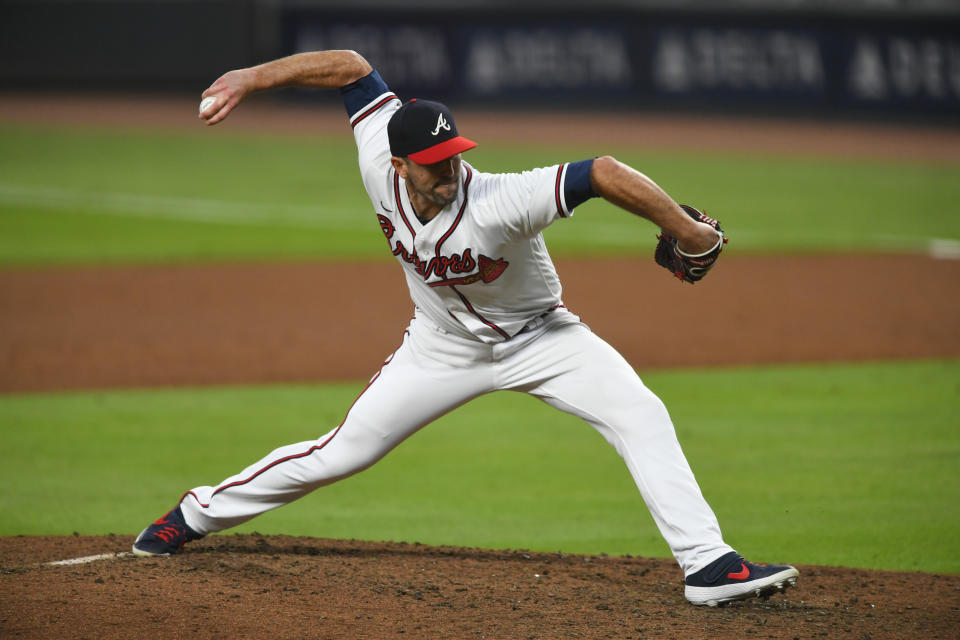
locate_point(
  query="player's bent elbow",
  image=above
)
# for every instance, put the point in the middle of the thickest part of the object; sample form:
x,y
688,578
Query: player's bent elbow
x,y
603,173
358,63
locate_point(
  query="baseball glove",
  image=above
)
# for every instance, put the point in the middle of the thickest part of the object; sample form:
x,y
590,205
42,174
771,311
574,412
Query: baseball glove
x,y
688,267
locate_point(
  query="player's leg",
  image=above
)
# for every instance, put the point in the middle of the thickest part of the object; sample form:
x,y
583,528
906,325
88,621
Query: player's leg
x,y
408,392
578,373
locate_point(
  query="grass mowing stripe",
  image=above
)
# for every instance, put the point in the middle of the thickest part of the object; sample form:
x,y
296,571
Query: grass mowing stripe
x,y
169,207
845,465
767,203
209,211
90,236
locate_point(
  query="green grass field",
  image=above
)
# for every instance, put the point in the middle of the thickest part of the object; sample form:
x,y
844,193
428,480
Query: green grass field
x,y
76,195
843,464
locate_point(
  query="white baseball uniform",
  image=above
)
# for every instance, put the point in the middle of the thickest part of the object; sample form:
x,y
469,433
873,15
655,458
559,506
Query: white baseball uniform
x,y
489,316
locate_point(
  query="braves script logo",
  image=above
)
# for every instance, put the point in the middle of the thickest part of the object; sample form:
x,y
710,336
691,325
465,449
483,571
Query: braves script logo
x,y
441,124
489,271
443,266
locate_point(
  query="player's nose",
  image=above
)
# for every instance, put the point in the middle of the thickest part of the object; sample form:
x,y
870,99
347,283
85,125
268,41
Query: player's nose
x,y
446,168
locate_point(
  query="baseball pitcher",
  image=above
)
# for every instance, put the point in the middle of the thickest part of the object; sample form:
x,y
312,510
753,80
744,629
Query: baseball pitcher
x,y
488,316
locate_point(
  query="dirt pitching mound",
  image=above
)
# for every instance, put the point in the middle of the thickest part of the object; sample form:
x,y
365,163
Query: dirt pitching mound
x,y
246,586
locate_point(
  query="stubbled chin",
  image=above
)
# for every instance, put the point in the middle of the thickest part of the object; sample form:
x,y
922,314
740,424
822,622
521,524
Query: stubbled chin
x,y
446,194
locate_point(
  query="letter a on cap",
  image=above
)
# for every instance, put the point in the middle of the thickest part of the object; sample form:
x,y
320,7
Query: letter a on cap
x,y
441,124
425,132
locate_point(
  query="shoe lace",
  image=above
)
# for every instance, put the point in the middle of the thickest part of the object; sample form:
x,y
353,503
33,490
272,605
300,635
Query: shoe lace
x,y
170,533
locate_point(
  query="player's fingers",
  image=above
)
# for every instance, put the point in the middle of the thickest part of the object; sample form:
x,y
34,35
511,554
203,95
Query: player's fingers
x,y
216,106
213,109
218,114
209,106
222,96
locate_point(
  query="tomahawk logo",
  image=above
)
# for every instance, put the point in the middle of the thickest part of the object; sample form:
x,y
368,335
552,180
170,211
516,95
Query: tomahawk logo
x,y
441,124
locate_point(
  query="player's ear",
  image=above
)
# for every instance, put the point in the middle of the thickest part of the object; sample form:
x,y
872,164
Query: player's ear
x,y
400,164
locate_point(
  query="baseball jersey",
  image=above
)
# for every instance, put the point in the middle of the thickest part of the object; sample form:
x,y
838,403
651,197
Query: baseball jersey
x,y
480,268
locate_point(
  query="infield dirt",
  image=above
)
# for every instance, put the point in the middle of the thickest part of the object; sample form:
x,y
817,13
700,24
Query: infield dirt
x,y
251,586
98,327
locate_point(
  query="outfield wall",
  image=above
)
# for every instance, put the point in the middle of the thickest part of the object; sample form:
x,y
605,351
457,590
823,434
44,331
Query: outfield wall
x,y
740,57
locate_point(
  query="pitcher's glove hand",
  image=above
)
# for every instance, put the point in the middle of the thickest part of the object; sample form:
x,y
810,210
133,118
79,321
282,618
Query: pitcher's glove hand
x,y
688,267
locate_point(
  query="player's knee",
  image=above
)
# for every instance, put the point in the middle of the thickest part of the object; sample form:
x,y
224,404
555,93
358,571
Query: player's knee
x,y
640,417
354,449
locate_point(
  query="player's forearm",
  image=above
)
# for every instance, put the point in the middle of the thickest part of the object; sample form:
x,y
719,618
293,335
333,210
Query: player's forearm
x,y
315,69
632,191
629,189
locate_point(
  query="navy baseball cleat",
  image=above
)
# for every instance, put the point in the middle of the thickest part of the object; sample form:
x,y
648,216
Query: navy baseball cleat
x,y
166,536
730,578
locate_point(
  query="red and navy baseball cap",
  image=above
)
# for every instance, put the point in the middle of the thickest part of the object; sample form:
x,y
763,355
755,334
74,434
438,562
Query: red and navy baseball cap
x,y
424,131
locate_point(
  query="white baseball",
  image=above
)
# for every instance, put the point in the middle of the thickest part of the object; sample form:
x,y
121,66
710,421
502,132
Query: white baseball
x,y
206,103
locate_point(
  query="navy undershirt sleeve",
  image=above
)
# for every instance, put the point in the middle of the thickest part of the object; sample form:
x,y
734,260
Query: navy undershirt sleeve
x,y
577,188
362,92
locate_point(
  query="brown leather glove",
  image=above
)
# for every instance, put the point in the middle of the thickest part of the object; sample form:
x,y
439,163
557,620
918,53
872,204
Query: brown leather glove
x,y
688,267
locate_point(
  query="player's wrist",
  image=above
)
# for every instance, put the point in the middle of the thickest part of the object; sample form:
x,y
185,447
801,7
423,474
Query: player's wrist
x,y
697,239
259,78
698,253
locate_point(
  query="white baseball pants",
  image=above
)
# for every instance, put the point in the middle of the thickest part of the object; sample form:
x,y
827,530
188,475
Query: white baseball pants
x,y
556,359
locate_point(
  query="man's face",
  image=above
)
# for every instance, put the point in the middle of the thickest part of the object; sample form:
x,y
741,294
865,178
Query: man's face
x,y
438,182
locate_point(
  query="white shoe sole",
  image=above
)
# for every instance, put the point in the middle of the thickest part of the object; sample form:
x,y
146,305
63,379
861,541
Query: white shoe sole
x,y
761,588
145,554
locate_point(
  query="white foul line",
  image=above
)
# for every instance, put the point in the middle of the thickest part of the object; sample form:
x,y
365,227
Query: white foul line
x,y
86,559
